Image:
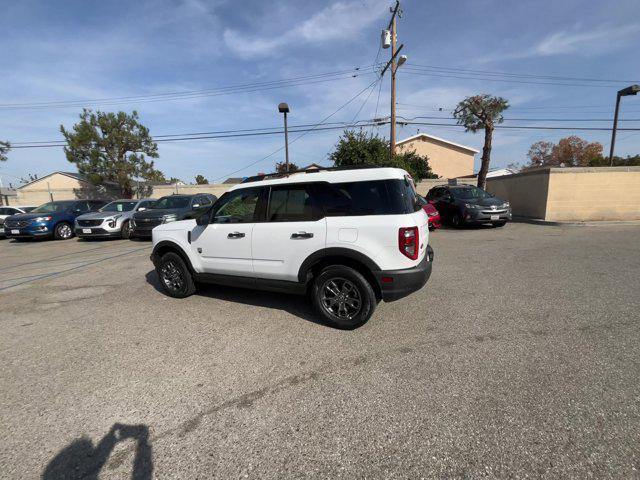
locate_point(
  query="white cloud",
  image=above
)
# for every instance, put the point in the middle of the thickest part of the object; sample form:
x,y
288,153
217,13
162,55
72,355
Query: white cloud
x,y
583,41
340,20
594,41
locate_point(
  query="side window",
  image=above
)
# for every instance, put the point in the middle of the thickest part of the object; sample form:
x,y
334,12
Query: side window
x,y
145,205
237,207
204,200
4,211
292,203
197,200
81,207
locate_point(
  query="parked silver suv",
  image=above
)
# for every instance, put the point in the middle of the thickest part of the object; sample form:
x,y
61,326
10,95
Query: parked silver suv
x,y
112,220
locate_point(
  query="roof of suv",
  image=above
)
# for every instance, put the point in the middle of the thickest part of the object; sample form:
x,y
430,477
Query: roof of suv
x,y
330,176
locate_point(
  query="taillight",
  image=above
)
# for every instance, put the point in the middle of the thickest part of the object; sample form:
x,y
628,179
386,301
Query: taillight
x,y
408,241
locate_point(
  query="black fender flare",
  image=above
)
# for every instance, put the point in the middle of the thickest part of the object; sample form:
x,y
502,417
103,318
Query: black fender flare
x,y
174,247
319,255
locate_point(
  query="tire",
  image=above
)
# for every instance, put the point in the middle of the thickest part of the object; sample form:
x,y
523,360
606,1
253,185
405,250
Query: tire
x,y
339,281
175,278
125,231
63,231
499,224
456,221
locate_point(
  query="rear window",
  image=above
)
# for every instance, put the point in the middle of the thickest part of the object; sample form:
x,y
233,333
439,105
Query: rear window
x,y
377,197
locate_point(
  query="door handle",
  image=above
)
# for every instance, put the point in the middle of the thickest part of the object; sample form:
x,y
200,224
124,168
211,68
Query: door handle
x,y
235,235
301,235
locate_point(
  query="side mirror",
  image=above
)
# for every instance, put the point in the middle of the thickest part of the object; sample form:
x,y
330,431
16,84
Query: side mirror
x,y
202,219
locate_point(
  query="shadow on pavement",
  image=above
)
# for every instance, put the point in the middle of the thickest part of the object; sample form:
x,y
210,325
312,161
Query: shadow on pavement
x,y
297,305
82,460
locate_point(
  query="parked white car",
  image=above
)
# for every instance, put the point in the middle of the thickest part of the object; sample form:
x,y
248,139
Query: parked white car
x,y
348,237
112,220
8,211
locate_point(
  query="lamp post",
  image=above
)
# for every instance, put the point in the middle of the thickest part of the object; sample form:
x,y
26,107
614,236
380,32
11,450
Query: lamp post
x,y
631,90
284,109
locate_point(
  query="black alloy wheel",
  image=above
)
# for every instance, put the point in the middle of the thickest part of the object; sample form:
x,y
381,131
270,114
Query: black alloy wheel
x,y
343,297
175,277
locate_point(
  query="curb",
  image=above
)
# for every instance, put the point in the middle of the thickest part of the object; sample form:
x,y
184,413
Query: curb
x,y
601,223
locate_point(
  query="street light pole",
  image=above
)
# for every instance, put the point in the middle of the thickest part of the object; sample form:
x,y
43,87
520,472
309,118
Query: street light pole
x,y
284,109
631,90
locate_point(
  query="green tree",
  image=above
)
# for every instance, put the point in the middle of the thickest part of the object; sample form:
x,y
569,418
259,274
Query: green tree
x,y
358,148
201,180
107,146
481,112
4,149
281,167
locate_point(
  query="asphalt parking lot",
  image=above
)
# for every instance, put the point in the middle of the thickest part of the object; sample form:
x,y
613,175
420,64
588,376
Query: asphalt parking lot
x,y
519,358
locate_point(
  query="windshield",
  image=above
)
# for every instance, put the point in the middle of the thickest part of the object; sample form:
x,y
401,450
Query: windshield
x,y
118,207
27,209
469,193
52,207
173,202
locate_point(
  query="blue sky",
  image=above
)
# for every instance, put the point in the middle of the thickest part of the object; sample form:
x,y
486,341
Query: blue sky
x,y
80,51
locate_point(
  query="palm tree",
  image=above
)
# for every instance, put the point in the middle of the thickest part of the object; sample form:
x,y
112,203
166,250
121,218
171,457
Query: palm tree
x,y
481,112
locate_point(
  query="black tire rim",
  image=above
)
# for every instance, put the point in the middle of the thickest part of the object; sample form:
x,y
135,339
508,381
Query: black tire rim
x,y
341,298
172,276
64,231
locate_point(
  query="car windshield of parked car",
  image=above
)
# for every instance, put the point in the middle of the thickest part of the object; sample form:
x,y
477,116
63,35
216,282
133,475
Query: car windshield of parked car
x,y
53,207
118,207
469,193
27,209
173,202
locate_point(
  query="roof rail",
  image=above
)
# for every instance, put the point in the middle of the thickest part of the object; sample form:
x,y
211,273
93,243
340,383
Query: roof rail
x,y
267,176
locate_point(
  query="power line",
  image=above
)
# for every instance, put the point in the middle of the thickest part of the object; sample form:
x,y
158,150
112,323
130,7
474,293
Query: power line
x,y
519,75
231,135
299,136
242,88
526,127
524,119
413,71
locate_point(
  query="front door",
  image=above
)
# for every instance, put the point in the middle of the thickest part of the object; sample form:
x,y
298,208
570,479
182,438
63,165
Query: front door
x,y
224,245
294,229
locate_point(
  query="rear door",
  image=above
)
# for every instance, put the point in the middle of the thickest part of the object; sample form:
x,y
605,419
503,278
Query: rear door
x,y
294,227
224,245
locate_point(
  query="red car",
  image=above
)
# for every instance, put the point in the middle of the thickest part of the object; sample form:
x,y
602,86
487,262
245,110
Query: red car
x,y
434,215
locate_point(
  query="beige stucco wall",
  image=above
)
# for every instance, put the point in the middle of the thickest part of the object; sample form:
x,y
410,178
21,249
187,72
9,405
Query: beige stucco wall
x,y
446,161
527,192
591,194
572,194
58,187
216,189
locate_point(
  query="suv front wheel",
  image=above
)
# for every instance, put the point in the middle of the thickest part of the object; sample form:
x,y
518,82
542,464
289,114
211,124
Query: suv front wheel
x,y
343,297
175,277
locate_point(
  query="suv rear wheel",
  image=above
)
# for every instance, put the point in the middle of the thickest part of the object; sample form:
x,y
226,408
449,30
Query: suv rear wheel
x,y
343,297
175,277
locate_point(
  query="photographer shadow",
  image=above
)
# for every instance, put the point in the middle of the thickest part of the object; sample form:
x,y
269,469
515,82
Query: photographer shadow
x,y
82,460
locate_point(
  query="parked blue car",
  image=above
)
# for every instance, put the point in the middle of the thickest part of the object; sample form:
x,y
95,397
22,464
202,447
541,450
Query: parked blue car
x,y
53,219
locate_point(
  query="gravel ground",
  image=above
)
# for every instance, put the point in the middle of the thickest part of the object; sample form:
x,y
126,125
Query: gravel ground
x,y
519,358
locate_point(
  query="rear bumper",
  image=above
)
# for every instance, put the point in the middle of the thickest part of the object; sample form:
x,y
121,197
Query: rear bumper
x,y
396,284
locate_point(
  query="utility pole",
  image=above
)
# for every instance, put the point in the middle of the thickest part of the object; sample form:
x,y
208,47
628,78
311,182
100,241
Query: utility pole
x,y
392,26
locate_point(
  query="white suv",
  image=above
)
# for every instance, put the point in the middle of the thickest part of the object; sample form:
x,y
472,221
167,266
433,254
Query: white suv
x,y
347,237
